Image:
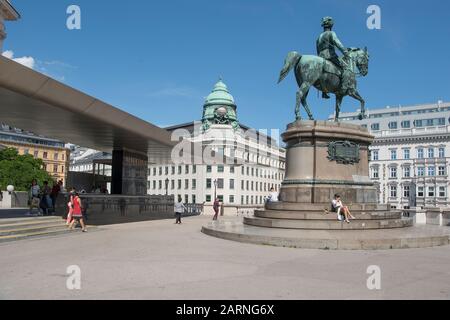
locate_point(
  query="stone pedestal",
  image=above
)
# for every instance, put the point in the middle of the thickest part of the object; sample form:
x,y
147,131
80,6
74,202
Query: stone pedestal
x,y
324,159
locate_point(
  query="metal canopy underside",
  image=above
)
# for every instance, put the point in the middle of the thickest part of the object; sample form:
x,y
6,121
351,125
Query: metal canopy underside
x,y
32,101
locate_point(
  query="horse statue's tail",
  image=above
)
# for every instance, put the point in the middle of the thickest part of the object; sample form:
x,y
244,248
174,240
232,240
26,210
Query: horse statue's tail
x,y
291,61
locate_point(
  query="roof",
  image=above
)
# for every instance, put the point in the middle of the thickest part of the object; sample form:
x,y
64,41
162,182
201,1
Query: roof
x,y
38,103
10,13
220,96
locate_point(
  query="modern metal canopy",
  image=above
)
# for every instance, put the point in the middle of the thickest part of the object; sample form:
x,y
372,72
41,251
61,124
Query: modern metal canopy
x,y
33,101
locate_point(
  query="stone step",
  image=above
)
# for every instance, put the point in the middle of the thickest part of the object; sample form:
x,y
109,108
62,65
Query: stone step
x,y
35,234
29,219
32,229
292,206
415,237
26,223
320,215
328,224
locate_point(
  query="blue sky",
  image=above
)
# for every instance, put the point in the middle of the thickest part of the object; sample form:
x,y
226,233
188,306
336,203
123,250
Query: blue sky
x,y
159,59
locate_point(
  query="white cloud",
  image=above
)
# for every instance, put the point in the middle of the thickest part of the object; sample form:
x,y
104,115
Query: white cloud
x,y
26,61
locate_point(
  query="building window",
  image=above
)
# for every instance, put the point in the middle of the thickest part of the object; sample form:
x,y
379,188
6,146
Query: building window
x,y
406,191
220,183
393,125
186,184
393,154
430,122
441,153
430,153
442,192
179,184
186,199
232,169
441,121
173,170
154,184
36,154
406,124
160,184
407,172
393,173
420,192
220,169
375,155
154,171
208,198
194,184
420,153
55,156
441,171
194,170
55,168
208,169
194,199
172,184
208,183
242,184
180,170
421,171
45,155
406,154
375,173
393,191
231,199
431,191
418,123
431,171
166,170
186,169
160,171
232,184
375,126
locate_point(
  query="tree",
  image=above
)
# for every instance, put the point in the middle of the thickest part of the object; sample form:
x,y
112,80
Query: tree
x,y
20,170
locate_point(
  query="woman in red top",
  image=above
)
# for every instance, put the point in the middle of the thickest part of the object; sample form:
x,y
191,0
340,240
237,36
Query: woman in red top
x,y
77,213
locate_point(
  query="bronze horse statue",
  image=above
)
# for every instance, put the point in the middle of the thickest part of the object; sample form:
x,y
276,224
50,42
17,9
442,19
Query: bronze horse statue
x,y
326,77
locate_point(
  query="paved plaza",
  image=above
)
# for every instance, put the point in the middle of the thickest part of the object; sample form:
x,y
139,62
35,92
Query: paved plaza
x,y
160,260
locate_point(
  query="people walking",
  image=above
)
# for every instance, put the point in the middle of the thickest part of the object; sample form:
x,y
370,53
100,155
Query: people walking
x,y
216,207
77,213
70,206
54,193
34,199
179,210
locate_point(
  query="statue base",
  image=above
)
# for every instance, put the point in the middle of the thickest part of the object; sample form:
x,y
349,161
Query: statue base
x,y
324,159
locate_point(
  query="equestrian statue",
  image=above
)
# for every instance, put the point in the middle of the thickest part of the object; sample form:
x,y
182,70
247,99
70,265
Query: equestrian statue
x,y
328,72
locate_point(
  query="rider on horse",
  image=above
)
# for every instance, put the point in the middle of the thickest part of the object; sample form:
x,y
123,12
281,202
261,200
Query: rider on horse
x,y
326,45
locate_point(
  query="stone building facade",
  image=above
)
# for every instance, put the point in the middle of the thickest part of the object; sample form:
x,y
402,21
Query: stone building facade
x,y
410,158
250,162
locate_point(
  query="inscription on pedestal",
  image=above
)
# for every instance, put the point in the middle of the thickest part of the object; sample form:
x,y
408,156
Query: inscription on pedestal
x,y
344,152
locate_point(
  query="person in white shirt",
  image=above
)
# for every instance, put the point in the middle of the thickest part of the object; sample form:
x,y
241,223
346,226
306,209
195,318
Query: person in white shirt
x,y
341,210
179,209
273,196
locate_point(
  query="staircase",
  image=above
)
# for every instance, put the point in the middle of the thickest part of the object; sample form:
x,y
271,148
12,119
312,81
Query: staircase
x,y
24,228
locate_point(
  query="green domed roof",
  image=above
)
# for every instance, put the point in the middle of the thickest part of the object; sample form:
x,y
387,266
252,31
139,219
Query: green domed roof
x,y
220,96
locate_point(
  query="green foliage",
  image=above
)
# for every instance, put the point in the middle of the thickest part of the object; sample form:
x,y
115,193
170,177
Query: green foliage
x,y
20,170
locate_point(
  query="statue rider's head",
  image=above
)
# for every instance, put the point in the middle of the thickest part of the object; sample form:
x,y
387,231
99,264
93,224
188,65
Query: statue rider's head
x,y
327,23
